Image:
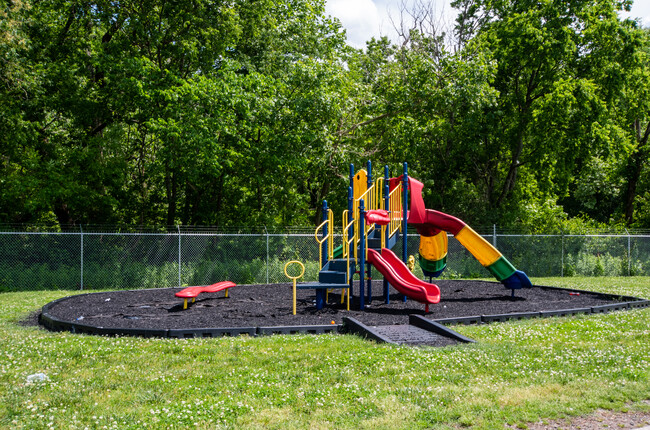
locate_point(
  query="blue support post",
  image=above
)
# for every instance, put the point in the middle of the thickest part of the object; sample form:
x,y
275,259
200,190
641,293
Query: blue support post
x,y
351,201
350,218
369,269
325,232
405,200
362,256
350,235
387,232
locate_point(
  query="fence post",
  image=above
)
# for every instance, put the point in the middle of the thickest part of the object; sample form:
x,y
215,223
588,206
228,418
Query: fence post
x,y
562,258
178,227
81,285
494,235
629,254
267,254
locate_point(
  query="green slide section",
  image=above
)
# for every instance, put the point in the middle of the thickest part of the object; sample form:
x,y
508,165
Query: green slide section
x,y
338,252
433,266
501,269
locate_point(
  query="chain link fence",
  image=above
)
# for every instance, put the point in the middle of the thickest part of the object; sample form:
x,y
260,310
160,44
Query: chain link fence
x,y
91,259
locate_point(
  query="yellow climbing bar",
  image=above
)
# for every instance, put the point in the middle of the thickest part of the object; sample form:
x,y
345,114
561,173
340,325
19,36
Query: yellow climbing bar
x,y
294,278
480,248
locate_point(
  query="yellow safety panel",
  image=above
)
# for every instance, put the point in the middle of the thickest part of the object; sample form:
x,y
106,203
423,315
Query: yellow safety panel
x,y
480,248
360,184
434,248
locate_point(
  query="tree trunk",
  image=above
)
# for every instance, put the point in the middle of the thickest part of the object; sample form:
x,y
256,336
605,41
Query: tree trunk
x,y
171,187
511,177
634,169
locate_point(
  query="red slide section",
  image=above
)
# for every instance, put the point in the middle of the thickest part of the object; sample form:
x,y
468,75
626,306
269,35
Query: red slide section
x,y
402,279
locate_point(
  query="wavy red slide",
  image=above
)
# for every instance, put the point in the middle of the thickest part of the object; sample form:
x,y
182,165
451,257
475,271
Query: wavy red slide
x,y
402,279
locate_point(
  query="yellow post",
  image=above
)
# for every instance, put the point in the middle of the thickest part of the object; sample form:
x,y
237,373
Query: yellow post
x,y
294,278
411,263
184,303
348,306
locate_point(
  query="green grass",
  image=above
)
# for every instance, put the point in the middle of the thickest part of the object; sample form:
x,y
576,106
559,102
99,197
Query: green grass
x,y
518,372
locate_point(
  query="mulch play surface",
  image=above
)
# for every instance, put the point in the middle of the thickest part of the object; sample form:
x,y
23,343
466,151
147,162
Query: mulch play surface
x,y
270,305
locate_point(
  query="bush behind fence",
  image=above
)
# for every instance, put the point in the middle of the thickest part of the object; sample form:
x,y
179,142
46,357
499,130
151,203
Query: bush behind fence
x,y
75,260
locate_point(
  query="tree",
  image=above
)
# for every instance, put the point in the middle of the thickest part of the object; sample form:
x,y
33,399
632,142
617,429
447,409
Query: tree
x,y
158,112
635,109
509,112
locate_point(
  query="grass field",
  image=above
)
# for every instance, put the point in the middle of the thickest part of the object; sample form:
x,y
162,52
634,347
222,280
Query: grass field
x,y
518,372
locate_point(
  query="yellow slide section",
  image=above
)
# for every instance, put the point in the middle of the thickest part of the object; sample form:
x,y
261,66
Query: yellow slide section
x,y
480,248
434,248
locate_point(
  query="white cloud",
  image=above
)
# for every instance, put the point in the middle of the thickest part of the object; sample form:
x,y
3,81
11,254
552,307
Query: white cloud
x,y
364,19
361,19
640,10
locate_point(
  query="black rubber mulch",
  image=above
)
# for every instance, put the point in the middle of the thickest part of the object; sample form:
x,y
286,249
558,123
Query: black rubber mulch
x,y
270,305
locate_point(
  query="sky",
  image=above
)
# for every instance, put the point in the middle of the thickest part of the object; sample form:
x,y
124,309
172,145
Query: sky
x,y
364,19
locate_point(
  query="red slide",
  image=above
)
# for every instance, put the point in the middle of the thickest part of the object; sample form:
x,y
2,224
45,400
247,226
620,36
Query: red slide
x,y
402,279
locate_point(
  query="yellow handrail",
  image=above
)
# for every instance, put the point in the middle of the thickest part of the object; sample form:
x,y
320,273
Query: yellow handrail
x,y
379,192
395,210
344,231
347,241
330,235
373,200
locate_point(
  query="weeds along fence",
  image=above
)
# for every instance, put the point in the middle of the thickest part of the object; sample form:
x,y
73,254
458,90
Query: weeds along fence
x,y
91,258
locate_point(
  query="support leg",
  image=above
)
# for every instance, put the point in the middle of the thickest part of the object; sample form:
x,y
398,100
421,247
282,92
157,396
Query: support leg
x,y
320,298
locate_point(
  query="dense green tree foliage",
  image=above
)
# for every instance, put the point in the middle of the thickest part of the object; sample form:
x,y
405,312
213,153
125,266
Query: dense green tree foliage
x,y
516,118
247,112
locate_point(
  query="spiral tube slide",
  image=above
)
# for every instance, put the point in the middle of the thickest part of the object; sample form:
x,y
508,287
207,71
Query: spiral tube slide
x,y
431,223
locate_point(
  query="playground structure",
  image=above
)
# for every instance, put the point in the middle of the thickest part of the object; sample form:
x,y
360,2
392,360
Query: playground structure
x,y
378,215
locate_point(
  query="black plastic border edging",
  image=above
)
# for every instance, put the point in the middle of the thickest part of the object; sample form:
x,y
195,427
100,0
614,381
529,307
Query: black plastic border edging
x,y
565,312
508,317
299,329
350,324
630,302
210,332
55,324
476,319
353,326
639,304
432,326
